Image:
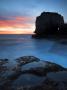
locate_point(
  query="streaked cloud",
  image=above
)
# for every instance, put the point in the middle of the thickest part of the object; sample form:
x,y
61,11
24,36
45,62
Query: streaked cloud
x,y
17,24
20,15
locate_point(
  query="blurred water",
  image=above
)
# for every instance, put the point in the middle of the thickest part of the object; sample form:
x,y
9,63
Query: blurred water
x,y
14,46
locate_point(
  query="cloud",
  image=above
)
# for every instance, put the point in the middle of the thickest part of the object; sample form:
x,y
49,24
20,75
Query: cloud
x,y
16,25
22,13
16,21
31,7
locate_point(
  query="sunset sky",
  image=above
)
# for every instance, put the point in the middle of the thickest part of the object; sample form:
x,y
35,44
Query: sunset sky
x,y
18,16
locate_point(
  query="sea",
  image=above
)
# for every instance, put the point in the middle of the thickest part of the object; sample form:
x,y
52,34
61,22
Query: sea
x,y
15,46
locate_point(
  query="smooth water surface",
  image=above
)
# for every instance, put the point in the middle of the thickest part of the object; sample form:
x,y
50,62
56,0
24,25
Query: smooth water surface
x,y
14,46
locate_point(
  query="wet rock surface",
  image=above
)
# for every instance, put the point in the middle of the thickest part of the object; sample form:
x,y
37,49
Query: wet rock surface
x,y
41,68
26,59
31,73
3,68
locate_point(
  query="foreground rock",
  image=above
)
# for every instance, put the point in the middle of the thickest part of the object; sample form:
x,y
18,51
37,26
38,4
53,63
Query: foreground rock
x,y
58,76
3,61
31,73
2,67
41,68
27,59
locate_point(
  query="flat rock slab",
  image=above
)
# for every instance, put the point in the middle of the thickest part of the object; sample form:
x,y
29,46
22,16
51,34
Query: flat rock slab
x,y
58,76
28,80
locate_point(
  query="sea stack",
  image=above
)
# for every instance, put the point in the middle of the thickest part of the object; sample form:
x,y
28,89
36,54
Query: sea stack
x,y
49,24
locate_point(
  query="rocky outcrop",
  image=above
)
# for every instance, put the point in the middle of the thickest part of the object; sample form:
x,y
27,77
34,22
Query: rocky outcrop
x,y
27,59
2,67
50,24
41,68
31,73
63,29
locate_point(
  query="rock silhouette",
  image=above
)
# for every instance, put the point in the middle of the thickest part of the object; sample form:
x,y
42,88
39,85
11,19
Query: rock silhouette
x,y
50,24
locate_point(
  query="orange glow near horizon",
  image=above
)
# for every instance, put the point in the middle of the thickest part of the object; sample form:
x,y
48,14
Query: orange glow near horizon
x,y
19,25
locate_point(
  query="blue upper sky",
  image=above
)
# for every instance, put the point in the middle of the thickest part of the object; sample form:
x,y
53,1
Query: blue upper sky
x,y
32,7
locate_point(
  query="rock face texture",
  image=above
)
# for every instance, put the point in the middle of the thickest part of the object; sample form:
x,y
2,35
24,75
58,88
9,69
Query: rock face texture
x,y
63,29
50,23
31,73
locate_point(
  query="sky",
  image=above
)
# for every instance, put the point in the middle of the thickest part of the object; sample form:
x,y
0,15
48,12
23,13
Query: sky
x,y
18,16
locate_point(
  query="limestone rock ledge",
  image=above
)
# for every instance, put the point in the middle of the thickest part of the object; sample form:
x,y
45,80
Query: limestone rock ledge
x,y
31,73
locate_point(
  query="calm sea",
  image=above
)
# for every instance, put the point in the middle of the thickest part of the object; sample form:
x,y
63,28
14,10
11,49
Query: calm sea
x,y
14,46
